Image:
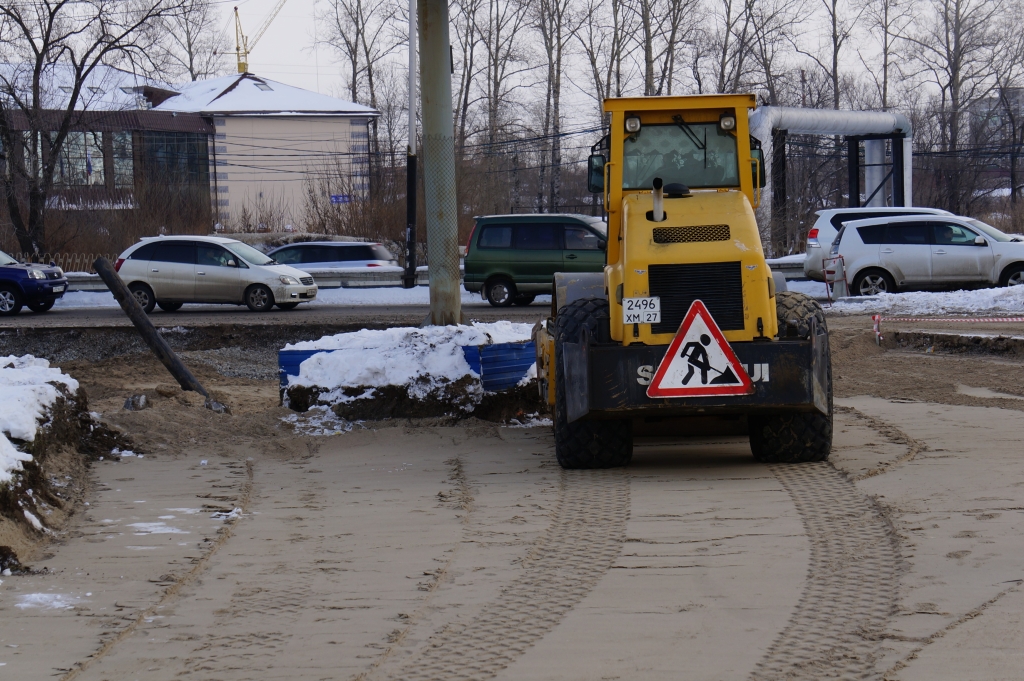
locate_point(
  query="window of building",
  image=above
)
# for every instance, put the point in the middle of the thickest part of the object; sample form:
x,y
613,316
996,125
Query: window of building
x,y
124,160
81,160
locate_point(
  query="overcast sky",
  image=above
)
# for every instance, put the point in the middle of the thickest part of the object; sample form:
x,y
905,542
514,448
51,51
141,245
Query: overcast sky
x,y
285,53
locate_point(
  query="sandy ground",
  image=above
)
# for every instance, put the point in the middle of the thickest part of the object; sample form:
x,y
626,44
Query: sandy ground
x,y
410,551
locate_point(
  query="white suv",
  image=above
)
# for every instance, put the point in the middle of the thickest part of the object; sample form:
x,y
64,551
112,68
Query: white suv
x,y
927,251
172,270
829,221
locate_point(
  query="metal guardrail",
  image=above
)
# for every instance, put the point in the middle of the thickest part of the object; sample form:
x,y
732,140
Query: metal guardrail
x,y
787,268
327,279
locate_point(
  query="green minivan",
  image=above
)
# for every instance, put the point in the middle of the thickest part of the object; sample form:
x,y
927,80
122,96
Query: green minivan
x,y
513,258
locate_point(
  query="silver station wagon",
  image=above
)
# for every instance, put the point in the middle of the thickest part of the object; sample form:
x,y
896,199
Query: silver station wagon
x,y
170,271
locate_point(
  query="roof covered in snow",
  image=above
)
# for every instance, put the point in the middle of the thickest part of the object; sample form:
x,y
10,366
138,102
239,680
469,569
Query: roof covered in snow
x,y
106,88
249,94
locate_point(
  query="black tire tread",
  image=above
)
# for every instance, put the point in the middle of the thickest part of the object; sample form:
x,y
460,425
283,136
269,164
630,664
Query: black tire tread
x,y
152,299
798,437
605,443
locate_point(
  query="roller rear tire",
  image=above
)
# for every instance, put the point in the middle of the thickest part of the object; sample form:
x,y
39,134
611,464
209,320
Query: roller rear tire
x,y
796,437
605,443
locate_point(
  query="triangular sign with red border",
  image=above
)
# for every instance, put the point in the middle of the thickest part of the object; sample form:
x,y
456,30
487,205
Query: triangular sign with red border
x,y
699,361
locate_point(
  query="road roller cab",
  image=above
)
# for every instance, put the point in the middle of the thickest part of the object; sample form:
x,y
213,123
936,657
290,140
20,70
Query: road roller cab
x,y
687,319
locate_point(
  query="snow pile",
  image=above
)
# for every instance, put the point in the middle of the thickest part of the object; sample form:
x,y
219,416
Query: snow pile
x,y
25,395
989,301
407,356
424,365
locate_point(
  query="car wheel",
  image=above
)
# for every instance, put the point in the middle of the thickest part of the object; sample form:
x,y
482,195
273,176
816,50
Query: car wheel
x,y
287,306
873,282
501,292
259,298
525,300
1013,275
169,307
40,307
143,296
10,300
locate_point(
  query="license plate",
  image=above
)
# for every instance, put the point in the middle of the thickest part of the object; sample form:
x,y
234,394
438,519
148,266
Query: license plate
x,y
58,289
641,310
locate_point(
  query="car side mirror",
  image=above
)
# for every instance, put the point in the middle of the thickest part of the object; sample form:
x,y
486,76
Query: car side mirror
x,y
595,173
232,263
602,245
980,241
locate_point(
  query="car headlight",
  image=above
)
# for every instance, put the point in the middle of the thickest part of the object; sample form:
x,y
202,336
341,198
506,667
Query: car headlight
x,y
36,274
288,281
60,273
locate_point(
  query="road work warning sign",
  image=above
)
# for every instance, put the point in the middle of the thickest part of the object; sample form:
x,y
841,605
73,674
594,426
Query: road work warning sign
x,y
699,361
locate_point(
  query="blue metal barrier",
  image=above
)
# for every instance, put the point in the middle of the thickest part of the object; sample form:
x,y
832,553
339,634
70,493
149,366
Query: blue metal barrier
x,y
500,366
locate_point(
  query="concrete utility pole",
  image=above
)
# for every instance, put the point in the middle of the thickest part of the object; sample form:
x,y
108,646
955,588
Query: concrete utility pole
x,y
439,163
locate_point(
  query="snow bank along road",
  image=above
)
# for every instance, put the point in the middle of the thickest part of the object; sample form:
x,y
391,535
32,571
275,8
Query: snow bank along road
x,y
410,551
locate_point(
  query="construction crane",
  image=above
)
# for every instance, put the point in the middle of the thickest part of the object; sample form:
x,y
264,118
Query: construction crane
x,y
242,44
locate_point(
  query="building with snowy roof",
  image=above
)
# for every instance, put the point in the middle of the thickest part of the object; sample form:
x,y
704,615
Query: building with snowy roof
x,y
245,147
273,144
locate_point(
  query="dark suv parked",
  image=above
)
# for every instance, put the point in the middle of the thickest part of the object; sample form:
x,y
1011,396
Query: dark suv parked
x,y
512,258
35,286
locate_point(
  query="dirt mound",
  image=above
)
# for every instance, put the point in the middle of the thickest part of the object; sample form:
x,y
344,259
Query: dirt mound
x,y
455,400
41,497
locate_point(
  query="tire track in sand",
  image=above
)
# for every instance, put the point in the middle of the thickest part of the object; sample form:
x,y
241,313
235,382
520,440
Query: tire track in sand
x,y
580,545
852,581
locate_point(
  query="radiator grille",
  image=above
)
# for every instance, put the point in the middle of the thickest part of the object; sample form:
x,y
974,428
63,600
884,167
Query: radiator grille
x,y
719,285
306,281
683,235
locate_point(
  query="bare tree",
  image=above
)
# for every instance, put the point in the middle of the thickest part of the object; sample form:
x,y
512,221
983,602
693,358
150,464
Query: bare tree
x,y
360,32
953,46
602,36
887,22
665,25
557,25
467,37
840,19
194,46
502,31
1009,54
50,50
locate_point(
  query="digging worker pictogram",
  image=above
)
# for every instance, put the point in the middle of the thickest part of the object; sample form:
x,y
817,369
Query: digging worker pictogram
x,y
697,357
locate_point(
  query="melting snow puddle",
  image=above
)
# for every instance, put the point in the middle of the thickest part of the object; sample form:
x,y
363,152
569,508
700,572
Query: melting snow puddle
x,y
167,517
187,511
48,601
142,548
156,528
